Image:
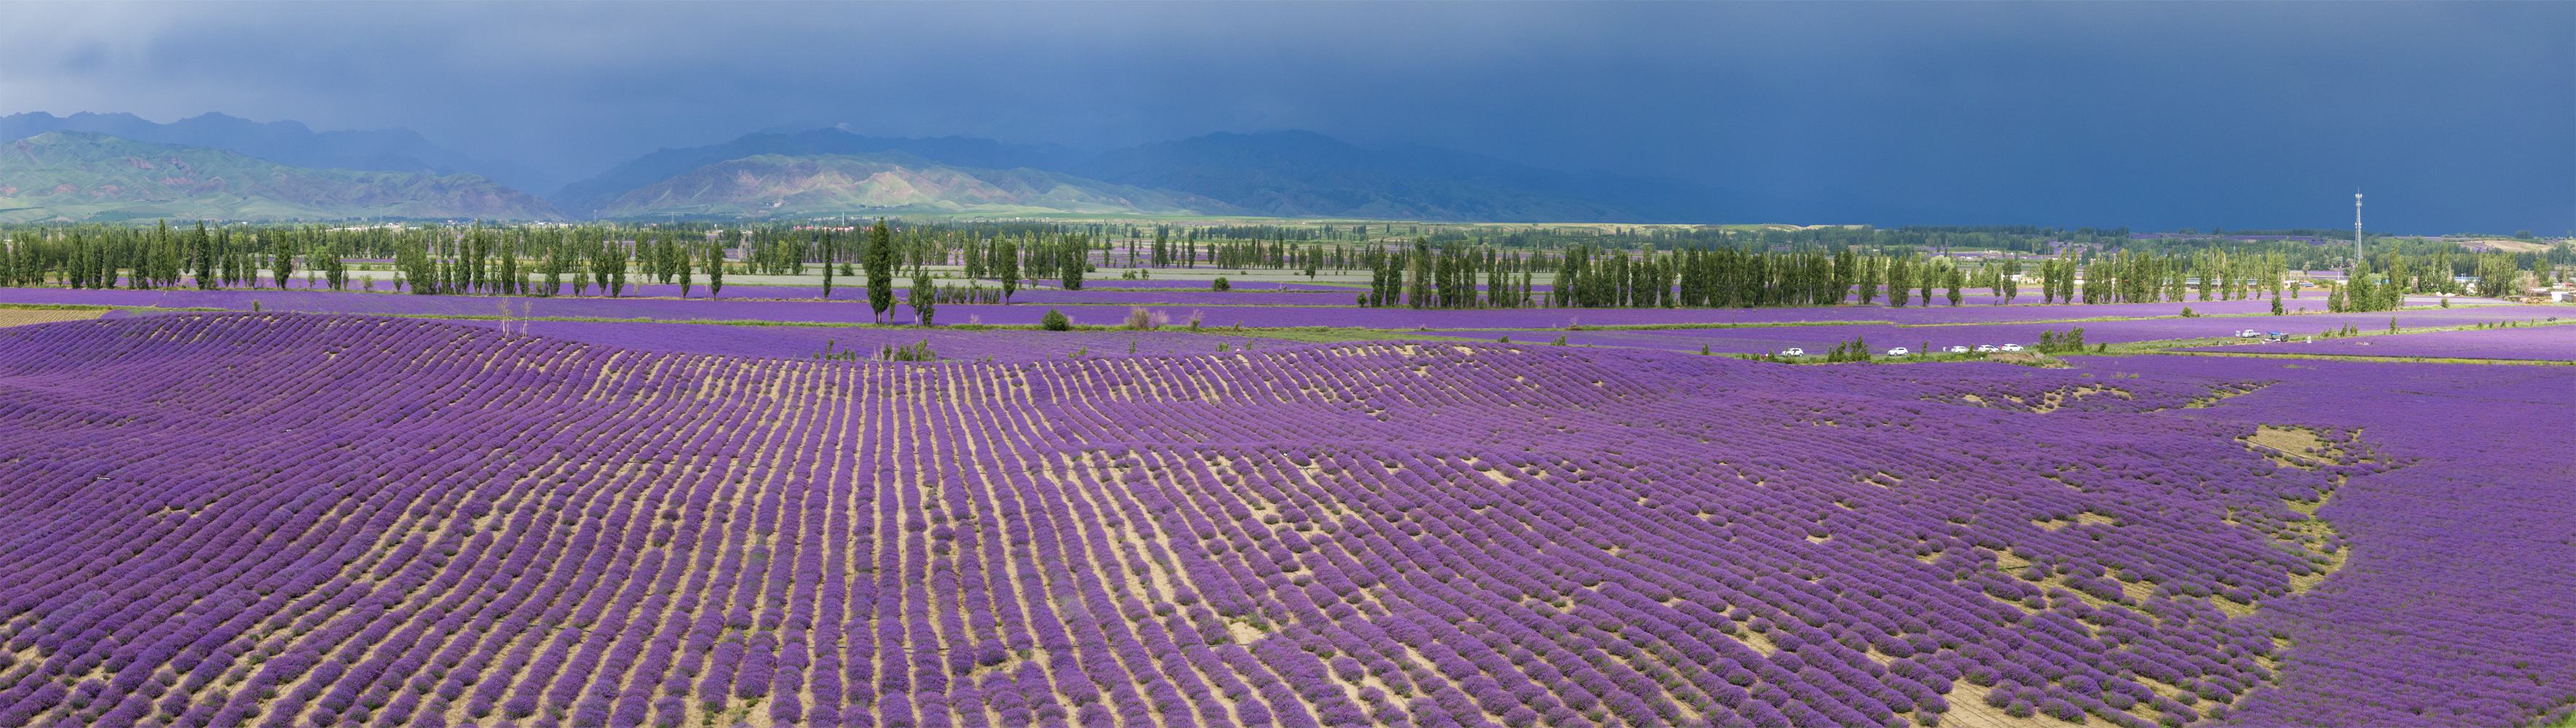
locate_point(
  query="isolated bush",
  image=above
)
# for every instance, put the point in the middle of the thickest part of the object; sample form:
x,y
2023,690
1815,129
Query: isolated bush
x,y
909,352
1145,319
1055,321
1221,284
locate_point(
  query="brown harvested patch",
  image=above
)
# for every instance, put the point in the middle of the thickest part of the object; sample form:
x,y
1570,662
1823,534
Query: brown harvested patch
x,y
2509,245
2088,518
2009,563
2054,399
1243,633
1968,709
1760,642
23,316
2232,607
2296,447
2223,393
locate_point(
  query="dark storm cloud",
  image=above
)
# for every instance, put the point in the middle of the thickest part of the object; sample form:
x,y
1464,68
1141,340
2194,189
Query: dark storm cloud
x,y
2457,116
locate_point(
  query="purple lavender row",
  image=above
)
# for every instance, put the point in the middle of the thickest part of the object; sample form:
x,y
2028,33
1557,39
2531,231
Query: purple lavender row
x,y
444,524
2544,343
1116,305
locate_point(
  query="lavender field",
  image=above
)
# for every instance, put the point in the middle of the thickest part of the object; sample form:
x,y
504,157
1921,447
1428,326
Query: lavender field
x,y
575,523
2537,343
292,507
1814,338
1253,308
802,342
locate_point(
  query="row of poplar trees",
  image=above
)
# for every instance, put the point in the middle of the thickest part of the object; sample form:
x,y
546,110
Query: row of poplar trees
x,y
1427,273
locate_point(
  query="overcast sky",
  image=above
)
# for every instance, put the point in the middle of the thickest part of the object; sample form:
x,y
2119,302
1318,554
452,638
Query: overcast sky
x,y
2454,116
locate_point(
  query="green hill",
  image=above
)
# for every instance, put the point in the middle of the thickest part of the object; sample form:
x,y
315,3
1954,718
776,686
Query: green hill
x,y
73,176
771,185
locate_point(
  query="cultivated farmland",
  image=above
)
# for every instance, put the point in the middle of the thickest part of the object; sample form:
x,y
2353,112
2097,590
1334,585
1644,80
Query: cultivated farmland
x,y
230,506
455,524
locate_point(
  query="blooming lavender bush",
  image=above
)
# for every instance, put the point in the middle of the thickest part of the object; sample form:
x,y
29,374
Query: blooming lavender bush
x,y
288,519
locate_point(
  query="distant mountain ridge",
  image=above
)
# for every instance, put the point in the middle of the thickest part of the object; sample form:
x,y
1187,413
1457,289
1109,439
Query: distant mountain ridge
x,y
81,176
285,142
778,185
1280,173
1305,174
1286,174
589,196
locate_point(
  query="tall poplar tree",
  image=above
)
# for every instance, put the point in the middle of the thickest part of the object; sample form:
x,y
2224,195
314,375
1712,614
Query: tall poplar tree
x,y
281,258
1899,282
682,262
827,265
880,263
1076,252
1006,253
1869,274
715,270
921,297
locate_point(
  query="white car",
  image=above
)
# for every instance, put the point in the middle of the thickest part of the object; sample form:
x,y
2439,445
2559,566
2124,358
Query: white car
x,y
1900,351
2249,334
1793,351
2012,347
1957,350
1987,349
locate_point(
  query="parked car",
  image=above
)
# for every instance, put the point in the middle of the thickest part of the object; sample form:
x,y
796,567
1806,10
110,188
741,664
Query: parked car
x,y
1987,349
1957,350
2277,336
1900,351
2249,334
1793,351
2012,347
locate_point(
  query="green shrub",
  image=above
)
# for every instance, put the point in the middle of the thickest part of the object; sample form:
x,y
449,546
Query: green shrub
x,y
1055,321
910,352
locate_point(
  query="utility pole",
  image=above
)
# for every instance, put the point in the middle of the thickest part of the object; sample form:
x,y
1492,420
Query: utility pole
x,y
2356,230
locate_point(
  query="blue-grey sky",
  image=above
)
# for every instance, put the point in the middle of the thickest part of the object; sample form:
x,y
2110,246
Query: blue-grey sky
x,y
2454,116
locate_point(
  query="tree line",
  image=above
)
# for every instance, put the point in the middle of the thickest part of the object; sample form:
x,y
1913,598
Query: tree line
x,y
1584,266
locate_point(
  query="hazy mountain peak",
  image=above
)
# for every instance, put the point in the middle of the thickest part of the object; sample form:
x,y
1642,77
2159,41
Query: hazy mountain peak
x,y
286,142
783,185
598,193
1301,173
1284,172
65,175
